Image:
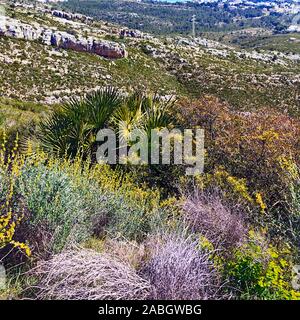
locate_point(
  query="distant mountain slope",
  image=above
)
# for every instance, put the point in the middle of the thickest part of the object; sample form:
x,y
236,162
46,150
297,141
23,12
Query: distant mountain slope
x,y
170,18
30,70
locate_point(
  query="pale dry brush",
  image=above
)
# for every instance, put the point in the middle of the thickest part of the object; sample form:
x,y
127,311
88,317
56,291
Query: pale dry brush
x,y
79,274
179,269
207,213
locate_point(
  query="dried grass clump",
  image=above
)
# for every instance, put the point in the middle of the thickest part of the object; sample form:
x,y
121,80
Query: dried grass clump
x,y
82,274
207,213
179,270
130,252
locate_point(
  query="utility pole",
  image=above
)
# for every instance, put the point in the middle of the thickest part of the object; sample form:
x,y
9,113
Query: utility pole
x,y
193,26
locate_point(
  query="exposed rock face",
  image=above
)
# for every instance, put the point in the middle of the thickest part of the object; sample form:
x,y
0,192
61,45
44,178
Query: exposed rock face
x,y
131,33
107,49
71,16
136,34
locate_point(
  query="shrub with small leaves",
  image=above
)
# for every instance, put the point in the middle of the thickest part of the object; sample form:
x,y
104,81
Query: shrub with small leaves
x,y
261,271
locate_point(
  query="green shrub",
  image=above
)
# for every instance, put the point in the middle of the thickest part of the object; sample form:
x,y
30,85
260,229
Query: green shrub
x,y
259,270
69,201
134,220
58,203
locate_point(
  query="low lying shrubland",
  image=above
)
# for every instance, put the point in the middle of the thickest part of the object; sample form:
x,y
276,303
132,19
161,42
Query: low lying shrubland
x,y
72,228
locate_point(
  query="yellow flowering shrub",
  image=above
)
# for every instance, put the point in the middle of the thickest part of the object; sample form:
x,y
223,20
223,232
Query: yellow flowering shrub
x,y
235,189
238,186
290,168
9,219
80,190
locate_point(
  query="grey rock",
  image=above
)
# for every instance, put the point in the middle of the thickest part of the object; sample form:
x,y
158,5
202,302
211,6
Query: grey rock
x,y
60,39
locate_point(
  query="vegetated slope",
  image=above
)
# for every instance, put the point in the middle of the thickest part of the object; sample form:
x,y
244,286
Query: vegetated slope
x,y
166,18
32,71
259,39
168,65
146,231
281,42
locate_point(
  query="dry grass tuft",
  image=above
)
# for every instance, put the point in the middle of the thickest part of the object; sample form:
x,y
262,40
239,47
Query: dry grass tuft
x,y
82,274
179,270
207,213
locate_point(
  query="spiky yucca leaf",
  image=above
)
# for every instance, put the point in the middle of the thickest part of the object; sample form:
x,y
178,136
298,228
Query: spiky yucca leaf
x,y
157,116
141,112
101,105
126,119
74,127
54,133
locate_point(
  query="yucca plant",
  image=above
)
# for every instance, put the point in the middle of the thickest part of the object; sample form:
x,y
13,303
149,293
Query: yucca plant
x,y
142,112
73,128
128,117
101,105
156,114
67,129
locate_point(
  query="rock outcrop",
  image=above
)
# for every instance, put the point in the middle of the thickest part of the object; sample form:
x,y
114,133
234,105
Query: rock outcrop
x,y
131,33
60,39
71,16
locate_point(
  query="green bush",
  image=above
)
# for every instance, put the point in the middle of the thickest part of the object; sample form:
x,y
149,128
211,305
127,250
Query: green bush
x,y
259,270
69,201
135,220
58,203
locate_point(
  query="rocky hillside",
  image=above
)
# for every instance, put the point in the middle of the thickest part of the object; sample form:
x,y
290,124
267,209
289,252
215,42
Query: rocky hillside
x,y
48,55
16,29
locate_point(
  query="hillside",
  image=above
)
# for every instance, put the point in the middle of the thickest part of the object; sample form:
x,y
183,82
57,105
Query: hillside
x,y
167,17
169,65
138,162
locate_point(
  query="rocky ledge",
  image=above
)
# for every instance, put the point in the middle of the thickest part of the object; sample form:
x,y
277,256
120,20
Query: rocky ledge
x,y
15,29
71,16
